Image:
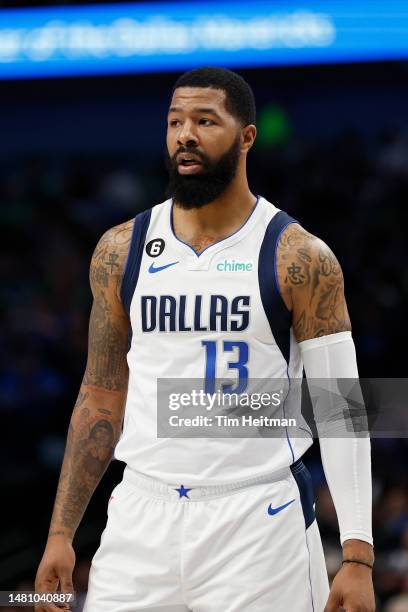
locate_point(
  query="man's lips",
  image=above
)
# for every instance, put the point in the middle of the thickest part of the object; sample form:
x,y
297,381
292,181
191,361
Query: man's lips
x,y
188,159
192,168
188,163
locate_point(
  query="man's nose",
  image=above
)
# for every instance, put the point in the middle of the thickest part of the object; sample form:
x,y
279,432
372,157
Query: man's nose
x,y
187,136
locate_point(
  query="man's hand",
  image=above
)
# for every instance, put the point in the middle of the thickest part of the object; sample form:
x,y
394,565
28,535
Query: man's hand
x,y
55,570
352,590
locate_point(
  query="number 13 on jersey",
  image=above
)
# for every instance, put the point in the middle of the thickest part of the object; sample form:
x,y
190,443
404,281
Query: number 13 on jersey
x,y
212,349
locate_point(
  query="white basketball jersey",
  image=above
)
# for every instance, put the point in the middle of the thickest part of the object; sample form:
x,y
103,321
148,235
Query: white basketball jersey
x,y
218,313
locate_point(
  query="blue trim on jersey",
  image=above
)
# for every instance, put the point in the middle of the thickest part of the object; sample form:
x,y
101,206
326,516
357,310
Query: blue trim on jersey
x,y
134,258
222,239
284,412
127,257
310,578
304,482
279,317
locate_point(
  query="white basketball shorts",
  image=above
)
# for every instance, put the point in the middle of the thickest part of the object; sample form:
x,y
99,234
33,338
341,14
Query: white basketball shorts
x,y
252,546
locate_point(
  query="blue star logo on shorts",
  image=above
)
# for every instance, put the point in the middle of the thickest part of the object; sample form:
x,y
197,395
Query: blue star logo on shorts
x,y
183,491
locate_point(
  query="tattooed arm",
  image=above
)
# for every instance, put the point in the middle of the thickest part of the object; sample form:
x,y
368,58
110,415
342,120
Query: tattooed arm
x,y
311,283
312,287
97,417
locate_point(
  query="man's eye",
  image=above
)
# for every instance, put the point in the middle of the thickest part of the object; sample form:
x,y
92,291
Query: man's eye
x,y
206,122
174,123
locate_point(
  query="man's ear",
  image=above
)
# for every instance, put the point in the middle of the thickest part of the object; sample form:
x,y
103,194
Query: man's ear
x,y
248,136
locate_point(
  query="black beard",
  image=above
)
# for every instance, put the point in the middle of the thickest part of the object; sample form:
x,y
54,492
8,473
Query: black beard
x,y
197,190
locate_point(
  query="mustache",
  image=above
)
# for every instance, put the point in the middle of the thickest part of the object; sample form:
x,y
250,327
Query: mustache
x,y
193,151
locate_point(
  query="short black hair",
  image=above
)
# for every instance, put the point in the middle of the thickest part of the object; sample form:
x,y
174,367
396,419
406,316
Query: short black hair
x,y
239,97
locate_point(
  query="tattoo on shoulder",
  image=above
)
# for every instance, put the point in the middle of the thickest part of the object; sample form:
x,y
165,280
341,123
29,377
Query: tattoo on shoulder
x,y
296,274
109,325
110,255
311,279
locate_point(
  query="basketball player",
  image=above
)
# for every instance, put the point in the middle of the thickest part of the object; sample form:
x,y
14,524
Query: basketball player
x,y
210,524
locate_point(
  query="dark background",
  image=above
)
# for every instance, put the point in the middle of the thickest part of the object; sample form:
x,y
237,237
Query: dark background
x,y
80,155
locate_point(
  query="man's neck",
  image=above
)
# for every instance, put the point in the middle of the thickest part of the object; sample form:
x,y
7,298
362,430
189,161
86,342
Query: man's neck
x,y
201,227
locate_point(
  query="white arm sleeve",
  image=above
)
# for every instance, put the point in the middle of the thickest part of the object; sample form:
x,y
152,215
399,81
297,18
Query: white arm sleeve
x,y
346,460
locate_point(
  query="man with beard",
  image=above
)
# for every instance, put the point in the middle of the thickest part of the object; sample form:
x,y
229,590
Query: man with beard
x,y
214,283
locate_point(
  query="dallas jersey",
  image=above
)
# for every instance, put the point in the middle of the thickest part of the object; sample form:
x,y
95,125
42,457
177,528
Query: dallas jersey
x,y
215,314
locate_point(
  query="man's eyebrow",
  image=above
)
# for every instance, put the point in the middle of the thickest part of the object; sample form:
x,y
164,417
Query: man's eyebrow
x,y
205,110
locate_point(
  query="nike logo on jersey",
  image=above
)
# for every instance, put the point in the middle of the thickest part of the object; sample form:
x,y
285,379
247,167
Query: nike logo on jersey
x,y
152,269
273,511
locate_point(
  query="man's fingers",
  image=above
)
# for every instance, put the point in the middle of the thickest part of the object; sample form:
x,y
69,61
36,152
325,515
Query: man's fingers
x,y
66,582
333,603
48,583
51,607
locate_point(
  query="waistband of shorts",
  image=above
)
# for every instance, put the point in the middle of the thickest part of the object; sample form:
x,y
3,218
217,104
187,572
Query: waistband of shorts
x,y
183,491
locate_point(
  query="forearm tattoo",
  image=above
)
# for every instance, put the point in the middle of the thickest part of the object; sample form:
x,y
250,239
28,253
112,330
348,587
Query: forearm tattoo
x,y
90,445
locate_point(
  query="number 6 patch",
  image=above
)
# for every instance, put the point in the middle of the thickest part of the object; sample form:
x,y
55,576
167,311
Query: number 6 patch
x,y
155,247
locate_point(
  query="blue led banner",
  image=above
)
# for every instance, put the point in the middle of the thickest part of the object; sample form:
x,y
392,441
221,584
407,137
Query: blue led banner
x,y
108,39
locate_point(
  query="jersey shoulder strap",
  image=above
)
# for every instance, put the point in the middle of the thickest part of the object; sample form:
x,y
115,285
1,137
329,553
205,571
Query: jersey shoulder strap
x,y
279,317
134,258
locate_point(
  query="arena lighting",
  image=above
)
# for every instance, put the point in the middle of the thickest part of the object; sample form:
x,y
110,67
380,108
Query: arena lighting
x,y
148,37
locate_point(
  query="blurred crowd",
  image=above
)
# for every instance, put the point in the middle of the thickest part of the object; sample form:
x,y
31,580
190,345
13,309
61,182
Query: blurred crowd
x,y
351,190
